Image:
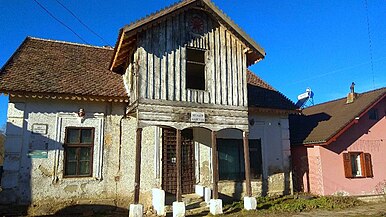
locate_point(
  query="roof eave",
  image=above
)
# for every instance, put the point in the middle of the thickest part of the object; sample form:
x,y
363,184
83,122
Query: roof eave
x,y
255,54
234,26
255,109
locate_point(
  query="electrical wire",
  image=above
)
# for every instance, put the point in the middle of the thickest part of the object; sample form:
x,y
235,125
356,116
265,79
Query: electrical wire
x,y
81,22
62,23
338,71
370,45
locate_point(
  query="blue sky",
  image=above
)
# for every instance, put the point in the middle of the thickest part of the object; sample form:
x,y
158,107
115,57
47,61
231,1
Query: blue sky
x,y
309,43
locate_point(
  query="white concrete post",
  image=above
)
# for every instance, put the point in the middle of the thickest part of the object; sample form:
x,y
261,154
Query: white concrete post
x,y
250,203
158,201
136,210
178,209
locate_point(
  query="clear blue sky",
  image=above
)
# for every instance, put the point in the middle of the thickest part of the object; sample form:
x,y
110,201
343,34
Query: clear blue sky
x,y
309,43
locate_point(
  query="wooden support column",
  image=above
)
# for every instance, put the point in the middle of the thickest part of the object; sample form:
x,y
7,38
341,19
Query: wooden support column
x,y
178,162
137,165
247,164
214,165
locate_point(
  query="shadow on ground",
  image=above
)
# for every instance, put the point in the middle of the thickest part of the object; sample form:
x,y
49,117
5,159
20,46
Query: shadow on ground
x,y
91,210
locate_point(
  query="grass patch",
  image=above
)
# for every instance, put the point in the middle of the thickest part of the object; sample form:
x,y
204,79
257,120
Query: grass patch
x,y
292,205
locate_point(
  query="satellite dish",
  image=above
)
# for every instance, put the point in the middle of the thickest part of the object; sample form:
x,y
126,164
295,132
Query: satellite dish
x,y
305,99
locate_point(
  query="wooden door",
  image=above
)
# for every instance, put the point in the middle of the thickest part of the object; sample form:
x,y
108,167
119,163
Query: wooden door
x,y
169,173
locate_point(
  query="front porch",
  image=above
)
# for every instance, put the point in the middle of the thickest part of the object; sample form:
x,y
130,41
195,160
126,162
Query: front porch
x,y
188,165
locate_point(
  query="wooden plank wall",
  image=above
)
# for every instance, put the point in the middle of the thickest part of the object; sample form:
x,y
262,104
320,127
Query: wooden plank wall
x,y
161,58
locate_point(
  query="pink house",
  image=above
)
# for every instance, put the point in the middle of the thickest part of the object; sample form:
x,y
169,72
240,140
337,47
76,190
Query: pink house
x,y
339,147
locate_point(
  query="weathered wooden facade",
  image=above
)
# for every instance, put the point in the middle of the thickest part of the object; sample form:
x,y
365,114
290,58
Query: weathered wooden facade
x,y
185,67
153,56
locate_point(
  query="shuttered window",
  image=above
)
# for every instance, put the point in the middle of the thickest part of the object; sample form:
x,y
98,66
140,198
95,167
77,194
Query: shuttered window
x,y
357,164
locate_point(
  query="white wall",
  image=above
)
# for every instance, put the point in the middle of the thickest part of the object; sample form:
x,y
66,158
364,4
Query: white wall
x,y
40,180
273,130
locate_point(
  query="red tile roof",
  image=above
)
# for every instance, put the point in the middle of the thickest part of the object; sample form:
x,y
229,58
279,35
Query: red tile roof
x,y
46,66
54,67
322,122
263,95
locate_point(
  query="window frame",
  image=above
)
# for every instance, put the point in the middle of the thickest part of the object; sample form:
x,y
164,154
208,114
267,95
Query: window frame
x,y
195,63
78,146
365,166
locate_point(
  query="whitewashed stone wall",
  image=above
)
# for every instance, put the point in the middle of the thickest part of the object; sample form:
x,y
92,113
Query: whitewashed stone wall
x,y
273,130
40,181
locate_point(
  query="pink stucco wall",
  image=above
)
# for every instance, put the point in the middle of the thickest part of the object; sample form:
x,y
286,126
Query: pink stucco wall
x,y
325,163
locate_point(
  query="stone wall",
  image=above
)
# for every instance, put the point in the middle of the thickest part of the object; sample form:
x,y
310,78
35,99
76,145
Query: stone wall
x,y
273,130
34,160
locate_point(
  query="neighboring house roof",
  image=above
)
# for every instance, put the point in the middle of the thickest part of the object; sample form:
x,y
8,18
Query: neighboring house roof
x,y
263,95
255,53
53,67
321,124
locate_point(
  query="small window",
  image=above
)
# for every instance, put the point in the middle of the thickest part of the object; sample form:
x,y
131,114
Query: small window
x,y
195,69
357,164
373,114
78,152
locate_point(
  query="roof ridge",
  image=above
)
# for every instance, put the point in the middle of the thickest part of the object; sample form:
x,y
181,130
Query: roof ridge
x,y
334,100
156,12
70,43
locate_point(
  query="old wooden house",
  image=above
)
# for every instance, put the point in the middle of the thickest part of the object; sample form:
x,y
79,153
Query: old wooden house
x,y
172,110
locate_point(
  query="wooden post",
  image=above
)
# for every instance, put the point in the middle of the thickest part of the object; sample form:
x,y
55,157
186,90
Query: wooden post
x,y
137,165
247,164
215,165
178,162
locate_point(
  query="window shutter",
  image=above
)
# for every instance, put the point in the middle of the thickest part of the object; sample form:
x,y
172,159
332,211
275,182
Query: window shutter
x,y
368,166
347,165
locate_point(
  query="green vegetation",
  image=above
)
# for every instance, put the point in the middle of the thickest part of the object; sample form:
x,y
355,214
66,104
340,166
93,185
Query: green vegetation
x,y
292,204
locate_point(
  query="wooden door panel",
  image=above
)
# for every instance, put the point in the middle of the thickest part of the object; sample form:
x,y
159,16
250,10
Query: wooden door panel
x,y
169,178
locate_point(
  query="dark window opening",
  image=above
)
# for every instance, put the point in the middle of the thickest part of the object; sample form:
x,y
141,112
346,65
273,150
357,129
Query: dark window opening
x,y
78,152
373,114
231,159
195,69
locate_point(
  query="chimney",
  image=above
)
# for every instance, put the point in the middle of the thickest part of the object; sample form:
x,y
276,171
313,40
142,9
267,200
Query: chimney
x,y
352,95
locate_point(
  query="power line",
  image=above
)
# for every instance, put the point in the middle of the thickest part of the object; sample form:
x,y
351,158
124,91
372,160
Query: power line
x,y
338,71
63,24
370,46
81,22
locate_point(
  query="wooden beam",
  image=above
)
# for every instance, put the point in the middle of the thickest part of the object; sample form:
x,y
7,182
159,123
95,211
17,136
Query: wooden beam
x,y
247,165
117,51
214,165
137,180
178,162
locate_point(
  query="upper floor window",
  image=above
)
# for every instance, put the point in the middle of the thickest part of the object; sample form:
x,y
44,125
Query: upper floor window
x,y
195,69
78,152
373,114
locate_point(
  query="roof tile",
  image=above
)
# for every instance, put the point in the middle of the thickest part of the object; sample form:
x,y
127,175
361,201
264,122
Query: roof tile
x,y
45,66
321,122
